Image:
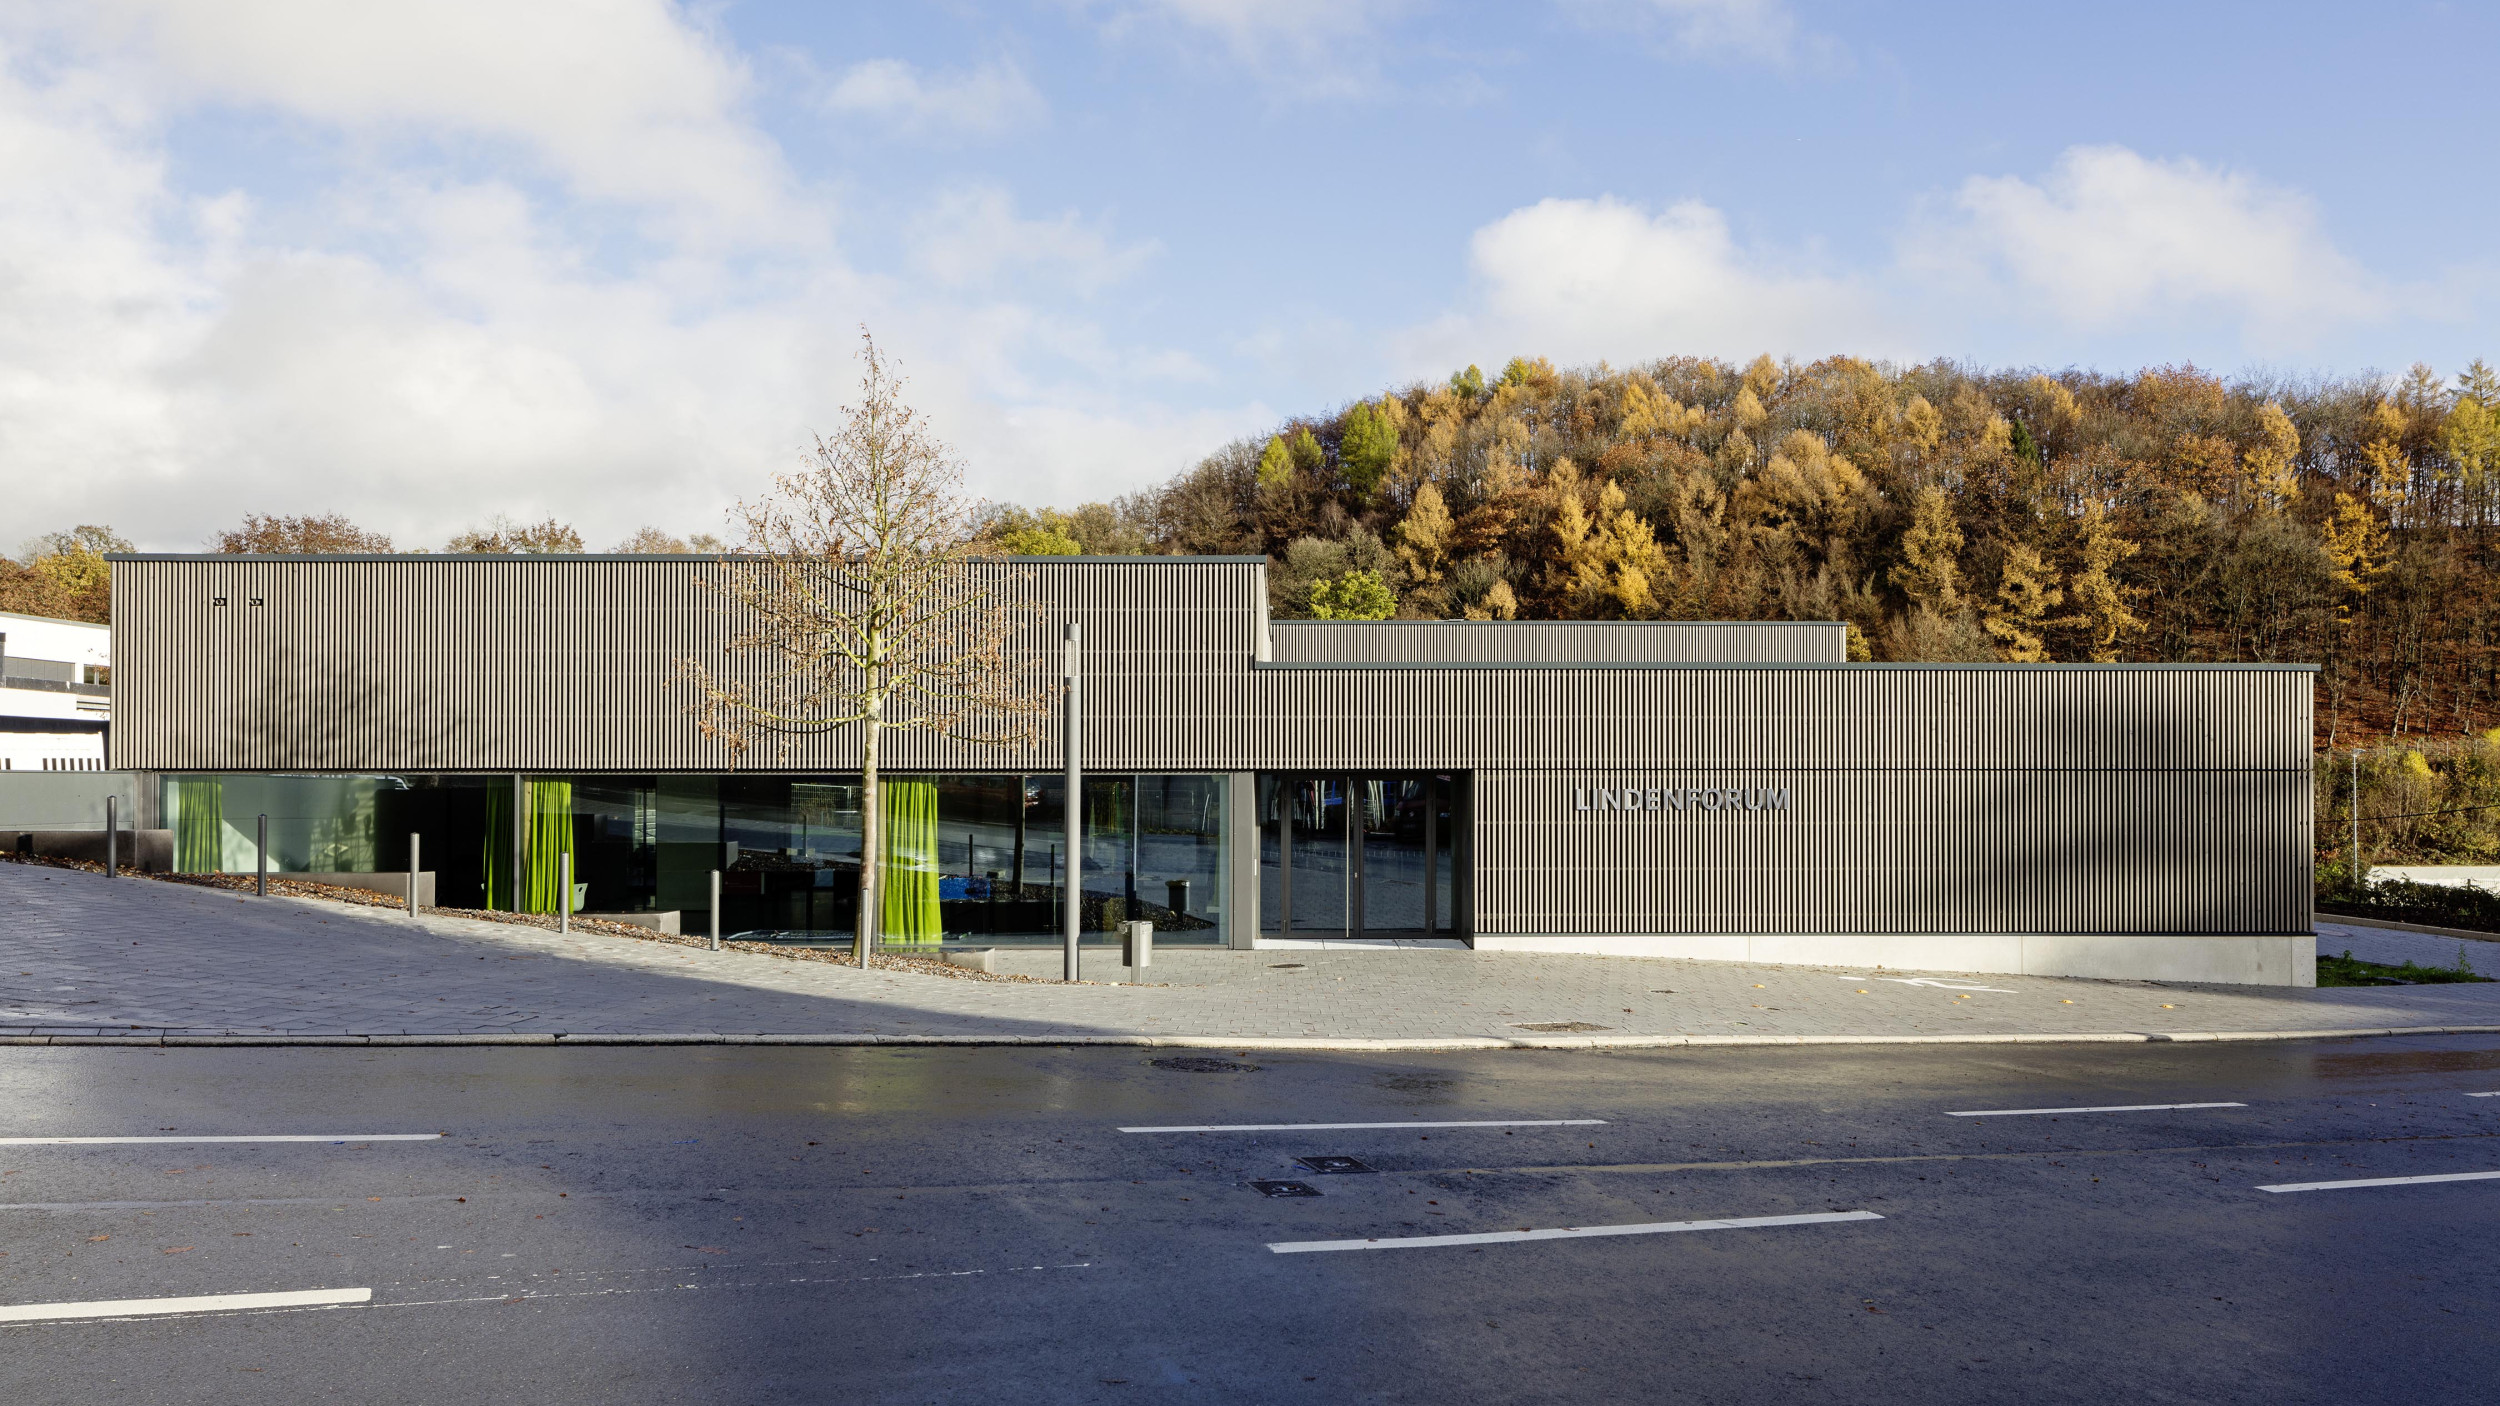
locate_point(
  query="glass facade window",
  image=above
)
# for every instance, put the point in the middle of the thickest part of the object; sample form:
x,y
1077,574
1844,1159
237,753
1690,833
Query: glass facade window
x,y
966,859
1362,855
327,824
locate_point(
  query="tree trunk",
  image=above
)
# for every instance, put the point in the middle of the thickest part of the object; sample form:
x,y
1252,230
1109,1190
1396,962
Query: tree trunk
x,y
871,815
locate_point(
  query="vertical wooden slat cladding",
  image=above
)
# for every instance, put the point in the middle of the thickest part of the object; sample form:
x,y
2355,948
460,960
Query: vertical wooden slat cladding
x,y
546,663
1945,798
1558,642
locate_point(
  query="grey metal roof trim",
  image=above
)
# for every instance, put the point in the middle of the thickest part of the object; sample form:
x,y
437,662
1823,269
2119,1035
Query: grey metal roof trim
x,y
612,557
1273,666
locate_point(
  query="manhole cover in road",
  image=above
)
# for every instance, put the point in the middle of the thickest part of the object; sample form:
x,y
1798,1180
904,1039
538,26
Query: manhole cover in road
x,y
1284,1188
1200,1064
1560,1027
1330,1166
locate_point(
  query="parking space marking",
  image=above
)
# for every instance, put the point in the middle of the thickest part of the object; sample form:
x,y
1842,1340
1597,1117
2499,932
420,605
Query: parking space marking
x,y
224,1137
2380,1181
1575,1232
2109,1108
1333,1127
197,1303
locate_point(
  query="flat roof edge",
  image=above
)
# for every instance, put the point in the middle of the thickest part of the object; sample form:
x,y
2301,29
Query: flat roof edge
x,y
608,557
1765,664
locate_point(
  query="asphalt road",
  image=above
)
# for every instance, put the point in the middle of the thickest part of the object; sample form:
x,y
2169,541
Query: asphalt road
x,y
861,1225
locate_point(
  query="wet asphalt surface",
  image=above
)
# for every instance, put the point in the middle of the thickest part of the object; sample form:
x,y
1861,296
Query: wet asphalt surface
x,y
863,1225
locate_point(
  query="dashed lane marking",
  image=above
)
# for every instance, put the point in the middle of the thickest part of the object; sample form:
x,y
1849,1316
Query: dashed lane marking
x,y
1574,1232
197,1303
1332,1127
223,1137
2108,1108
2380,1181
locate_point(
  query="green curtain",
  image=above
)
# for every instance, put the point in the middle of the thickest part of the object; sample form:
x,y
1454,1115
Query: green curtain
x,y
199,824
497,859
908,875
548,838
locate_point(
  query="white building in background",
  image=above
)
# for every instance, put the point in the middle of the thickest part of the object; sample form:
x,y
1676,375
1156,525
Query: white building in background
x,y
55,693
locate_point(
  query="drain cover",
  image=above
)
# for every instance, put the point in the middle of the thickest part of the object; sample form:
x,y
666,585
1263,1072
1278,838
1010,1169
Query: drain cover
x,y
1284,966
1284,1188
1200,1064
1330,1166
1561,1027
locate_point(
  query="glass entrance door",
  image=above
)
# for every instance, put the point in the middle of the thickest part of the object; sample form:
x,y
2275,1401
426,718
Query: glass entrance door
x,y
1357,856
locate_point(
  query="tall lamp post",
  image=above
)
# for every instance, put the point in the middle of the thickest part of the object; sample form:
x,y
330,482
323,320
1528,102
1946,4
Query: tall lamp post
x,y
1073,910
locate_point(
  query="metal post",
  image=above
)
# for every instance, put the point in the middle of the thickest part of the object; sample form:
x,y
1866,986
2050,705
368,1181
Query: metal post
x,y
112,836
564,892
260,857
416,850
716,910
1073,918
2358,882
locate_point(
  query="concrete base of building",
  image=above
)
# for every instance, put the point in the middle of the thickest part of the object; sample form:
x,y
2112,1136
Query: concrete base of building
x,y
148,851
394,884
667,920
2246,959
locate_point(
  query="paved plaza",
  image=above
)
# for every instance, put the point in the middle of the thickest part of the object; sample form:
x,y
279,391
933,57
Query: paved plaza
x,y
83,957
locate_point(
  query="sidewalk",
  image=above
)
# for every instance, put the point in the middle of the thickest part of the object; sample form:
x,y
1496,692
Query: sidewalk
x,y
84,960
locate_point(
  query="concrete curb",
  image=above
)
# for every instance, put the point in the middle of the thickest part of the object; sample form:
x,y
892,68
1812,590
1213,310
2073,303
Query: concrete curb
x,y
170,1040
2388,925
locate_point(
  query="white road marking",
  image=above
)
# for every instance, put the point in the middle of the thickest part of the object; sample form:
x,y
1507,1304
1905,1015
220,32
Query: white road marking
x,y
1329,1127
2495,1093
2111,1108
234,1137
1576,1232
2381,1181
198,1303
1939,983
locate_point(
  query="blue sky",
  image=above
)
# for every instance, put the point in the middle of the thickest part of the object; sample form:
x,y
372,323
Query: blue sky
x,y
607,260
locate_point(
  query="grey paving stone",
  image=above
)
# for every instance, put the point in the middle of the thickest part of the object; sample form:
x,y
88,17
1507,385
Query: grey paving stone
x,y
166,956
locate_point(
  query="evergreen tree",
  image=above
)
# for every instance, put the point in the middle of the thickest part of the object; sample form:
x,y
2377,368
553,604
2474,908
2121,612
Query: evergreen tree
x,y
2026,593
1930,573
1367,450
2100,601
1276,464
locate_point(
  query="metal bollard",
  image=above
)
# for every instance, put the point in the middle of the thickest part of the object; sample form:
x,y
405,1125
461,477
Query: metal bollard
x,y
716,910
1137,944
564,893
415,849
260,857
112,836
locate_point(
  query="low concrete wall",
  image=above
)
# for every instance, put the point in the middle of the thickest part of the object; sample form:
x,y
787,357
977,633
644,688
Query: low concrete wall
x,y
666,922
148,851
2450,876
74,800
396,885
2270,959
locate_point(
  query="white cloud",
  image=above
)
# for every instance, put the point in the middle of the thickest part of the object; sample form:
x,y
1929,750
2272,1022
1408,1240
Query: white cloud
x,y
2109,249
972,235
1584,280
428,334
984,101
2109,237
623,100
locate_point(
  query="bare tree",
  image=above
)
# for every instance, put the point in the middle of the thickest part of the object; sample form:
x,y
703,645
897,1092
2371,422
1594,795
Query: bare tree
x,y
856,590
271,534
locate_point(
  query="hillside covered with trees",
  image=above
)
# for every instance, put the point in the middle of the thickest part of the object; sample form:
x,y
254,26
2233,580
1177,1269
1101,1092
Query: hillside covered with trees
x,y
1945,513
